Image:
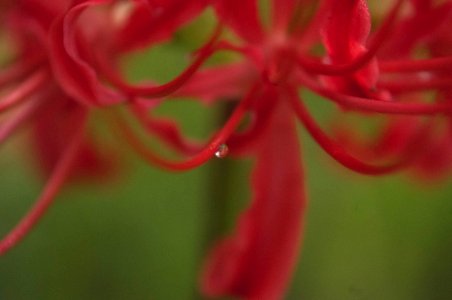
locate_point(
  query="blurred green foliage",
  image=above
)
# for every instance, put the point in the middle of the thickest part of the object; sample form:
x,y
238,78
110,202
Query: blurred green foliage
x,y
366,238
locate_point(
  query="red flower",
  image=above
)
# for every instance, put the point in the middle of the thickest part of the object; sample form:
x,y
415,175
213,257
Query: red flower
x,y
54,81
425,30
256,262
326,47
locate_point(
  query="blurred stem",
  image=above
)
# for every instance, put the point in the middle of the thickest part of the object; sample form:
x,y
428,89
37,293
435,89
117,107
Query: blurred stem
x,y
219,175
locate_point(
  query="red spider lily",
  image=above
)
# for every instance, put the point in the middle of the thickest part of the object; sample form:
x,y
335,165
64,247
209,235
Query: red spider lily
x,y
425,30
256,262
33,96
435,38
76,70
52,82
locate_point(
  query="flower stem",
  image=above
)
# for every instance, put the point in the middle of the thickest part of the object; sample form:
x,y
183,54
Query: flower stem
x,y
216,208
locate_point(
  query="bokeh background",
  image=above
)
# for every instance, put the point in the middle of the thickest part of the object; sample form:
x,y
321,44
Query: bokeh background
x,y
143,234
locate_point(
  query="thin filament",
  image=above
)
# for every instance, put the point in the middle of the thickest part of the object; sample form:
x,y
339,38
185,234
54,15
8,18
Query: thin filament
x,y
374,105
335,150
412,85
152,90
157,91
25,89
403,66
52,187
17,70
207,152
18,118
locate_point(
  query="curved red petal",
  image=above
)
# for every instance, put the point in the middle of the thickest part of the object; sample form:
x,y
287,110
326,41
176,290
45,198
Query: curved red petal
x,y
75,74
345,33
346,29
258,260
56,121
242,16
55,182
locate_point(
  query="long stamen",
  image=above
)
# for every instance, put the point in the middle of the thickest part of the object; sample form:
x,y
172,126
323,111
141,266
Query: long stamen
x,y
335,150
202,156
17,70
412,85
152,90
431,64
213,39
396,140
48,194
156,91
15,120
374,105
24,90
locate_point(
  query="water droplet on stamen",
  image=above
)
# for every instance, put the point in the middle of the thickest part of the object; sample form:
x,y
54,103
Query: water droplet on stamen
x,y
222,151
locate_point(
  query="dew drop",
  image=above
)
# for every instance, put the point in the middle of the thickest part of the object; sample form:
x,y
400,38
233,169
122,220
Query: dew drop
x,y
222,151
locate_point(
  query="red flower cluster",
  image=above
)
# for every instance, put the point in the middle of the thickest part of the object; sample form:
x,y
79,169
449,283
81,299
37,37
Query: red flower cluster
x,y
65,65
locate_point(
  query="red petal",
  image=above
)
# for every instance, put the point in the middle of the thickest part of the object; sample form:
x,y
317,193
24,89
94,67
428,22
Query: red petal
x,y
283,11
57,121
346,29
258,260
54,184
242,17
345,34
75,73
436,161
43,12
286,13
